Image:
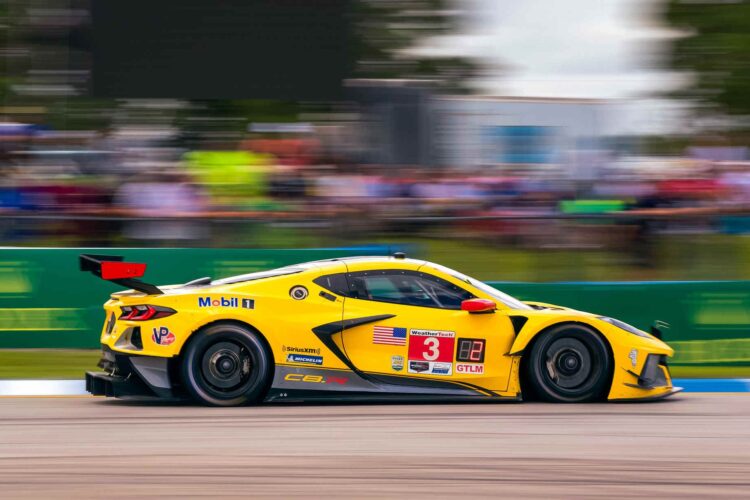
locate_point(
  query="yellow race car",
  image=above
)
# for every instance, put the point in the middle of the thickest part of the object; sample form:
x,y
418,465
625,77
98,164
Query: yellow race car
x,y
361,328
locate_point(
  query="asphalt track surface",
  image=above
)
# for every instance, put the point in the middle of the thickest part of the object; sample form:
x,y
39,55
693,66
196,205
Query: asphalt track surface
x,y
693,446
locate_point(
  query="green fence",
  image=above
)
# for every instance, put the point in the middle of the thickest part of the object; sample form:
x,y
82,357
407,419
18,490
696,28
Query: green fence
x,y
709,320
45,301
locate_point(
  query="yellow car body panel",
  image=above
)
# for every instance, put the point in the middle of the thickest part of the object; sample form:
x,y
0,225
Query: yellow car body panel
x,y
327,332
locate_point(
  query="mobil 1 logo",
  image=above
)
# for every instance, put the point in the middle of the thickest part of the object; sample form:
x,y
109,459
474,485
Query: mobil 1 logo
x,y
232,302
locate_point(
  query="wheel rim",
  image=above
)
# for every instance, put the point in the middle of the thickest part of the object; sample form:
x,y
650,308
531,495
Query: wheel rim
x,y
227,368
568,364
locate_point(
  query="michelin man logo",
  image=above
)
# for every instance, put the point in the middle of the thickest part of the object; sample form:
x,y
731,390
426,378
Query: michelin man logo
x,y
633,357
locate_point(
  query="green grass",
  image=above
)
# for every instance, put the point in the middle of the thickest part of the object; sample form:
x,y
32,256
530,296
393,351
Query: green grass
x,y
47,363
73,363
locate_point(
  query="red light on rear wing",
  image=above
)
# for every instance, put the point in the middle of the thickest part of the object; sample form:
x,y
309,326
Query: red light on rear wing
x,y
112,268
122,270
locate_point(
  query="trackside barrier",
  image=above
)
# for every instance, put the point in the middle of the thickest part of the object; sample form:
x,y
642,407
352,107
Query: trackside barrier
x,y
709,320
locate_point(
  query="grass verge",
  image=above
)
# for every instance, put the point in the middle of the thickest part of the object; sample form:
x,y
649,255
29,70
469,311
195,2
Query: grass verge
x,y
47,363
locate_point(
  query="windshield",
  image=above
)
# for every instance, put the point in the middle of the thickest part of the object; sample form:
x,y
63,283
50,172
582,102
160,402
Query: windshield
x,y
256,276
506,299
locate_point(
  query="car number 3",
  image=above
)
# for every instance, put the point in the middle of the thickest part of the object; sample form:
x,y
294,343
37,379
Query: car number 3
x,y
433,349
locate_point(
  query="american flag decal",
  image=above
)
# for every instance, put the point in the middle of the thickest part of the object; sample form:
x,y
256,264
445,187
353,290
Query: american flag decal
x,y
388,335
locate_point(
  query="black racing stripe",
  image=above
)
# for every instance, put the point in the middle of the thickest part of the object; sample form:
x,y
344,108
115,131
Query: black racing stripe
x,y
325,334
339,326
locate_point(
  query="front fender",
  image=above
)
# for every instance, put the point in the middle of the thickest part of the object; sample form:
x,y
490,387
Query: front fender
x,y
630,352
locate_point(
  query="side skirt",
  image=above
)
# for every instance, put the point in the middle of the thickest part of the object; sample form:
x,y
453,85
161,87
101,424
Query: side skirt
x,y
297,383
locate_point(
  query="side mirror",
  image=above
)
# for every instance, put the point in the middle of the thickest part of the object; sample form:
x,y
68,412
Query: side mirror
x,y
478,306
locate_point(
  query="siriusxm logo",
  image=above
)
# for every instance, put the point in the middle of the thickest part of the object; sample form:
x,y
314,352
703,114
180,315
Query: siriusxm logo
x,y
225,302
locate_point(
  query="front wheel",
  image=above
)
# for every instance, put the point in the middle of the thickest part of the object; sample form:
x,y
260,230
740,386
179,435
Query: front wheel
x,y
226,365
569,364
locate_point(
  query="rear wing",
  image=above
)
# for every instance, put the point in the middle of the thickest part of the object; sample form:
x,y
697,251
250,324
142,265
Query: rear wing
x,y
112,268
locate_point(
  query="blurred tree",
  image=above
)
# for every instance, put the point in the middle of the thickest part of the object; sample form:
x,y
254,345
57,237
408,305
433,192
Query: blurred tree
x,y
386,32
715,47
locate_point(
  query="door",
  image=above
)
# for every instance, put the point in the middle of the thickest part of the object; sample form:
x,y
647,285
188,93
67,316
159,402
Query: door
x,y
417,330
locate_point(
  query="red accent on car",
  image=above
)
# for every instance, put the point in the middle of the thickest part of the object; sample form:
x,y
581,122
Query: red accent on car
x,y
129,315
144,315
478,305
145,312
122,270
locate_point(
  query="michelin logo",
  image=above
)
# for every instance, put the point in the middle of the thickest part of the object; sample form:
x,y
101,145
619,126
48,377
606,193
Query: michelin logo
x,y
310,360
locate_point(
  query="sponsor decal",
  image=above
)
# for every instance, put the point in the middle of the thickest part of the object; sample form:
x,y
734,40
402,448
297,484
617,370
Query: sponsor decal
x,y
431,345
418,366
300,358
300,350
470,350
430,367
431,351
219,302
298,292
315,379
248,303
388,335
442,368
633,357
162,336
397,363
470,368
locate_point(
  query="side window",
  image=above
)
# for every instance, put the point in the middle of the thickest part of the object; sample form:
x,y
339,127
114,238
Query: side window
x,y
446,294
335,283
387,288
406,287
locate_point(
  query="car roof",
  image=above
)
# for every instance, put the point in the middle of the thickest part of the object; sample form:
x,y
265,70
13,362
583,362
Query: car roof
x,y
364,262
360,263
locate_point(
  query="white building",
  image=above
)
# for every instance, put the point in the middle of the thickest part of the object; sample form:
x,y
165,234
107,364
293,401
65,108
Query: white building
x,y
519,133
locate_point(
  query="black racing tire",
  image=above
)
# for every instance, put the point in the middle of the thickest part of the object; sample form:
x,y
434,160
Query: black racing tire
x,y
226,365
569,364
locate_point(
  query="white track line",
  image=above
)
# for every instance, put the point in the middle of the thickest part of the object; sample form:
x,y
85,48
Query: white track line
x,y
43,388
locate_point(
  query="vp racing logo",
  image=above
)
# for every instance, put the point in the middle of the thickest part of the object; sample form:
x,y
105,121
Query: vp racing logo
x,y
162,336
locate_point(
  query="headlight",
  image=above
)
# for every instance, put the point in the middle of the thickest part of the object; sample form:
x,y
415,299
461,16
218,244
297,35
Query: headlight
x,y
624,326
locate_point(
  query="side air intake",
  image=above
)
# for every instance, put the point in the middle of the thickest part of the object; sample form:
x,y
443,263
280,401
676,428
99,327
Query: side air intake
x,y
518,322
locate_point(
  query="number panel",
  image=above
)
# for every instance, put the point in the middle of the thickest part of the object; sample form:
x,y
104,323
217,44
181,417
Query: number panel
x,y
471,350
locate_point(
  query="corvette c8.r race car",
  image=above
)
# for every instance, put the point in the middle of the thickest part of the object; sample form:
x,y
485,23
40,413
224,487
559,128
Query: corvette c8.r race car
x,y
361,328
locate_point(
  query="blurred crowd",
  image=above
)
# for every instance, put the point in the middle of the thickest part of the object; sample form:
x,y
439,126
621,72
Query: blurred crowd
x,y
124,185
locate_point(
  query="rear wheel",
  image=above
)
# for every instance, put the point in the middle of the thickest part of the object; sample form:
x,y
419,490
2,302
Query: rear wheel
x,y
569,364
226,365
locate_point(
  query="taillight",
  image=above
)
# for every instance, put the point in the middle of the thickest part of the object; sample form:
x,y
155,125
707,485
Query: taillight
x,y
145,312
